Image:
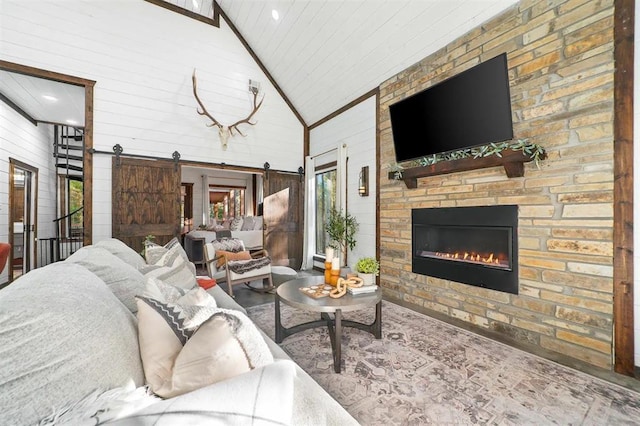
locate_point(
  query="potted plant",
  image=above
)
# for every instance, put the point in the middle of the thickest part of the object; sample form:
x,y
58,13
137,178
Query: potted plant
x,y
368,268
342,229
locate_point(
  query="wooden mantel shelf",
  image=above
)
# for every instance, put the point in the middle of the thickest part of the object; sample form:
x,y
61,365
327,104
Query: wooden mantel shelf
x,y
512,161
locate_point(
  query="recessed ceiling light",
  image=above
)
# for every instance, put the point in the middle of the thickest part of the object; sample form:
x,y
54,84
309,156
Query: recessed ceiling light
x,y
50,98
70,121
275,15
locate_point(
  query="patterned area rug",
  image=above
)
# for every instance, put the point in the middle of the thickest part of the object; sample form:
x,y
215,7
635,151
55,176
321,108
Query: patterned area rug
x,y
424,371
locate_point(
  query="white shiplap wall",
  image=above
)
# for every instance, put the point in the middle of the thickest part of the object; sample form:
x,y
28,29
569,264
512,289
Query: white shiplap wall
x,y
636,195
357,128
21,140
142,57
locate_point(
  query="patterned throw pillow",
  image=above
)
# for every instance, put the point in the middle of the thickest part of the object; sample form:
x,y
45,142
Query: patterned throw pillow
x,y
229,244
179,274
170,264
153,252
186,342
236,224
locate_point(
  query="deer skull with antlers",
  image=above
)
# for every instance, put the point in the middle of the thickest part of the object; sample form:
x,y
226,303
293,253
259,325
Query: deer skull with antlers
x,y
225,131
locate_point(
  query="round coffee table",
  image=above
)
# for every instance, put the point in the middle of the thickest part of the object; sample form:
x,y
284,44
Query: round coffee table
x,y
290,294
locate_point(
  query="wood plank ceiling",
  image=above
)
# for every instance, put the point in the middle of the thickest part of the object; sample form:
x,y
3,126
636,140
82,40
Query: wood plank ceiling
x,y
324,54
44,100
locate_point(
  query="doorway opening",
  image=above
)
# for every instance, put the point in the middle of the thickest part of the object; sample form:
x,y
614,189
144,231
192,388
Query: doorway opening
x,y
23,204
29,81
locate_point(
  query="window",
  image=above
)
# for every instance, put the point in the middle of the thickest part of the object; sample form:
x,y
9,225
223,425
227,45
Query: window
x,y
75,200
225,203
186,206
325,201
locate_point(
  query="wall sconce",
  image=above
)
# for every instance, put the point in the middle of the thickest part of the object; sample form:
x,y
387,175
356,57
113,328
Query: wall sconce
x,y
363,186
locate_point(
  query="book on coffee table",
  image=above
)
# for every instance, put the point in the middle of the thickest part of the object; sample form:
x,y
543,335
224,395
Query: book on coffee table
x,y
365,289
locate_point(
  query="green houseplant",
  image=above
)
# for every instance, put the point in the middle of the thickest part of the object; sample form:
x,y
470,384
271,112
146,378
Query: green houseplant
x,y
147,239
342,229
367,268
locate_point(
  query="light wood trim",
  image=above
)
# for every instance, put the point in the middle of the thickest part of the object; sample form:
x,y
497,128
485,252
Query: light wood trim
x,y
623,188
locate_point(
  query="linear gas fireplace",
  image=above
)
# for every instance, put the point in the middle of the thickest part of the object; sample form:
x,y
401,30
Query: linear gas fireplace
x,y
471,245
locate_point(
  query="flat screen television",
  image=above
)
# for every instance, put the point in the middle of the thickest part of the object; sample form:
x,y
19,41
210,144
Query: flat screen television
x,y
469,109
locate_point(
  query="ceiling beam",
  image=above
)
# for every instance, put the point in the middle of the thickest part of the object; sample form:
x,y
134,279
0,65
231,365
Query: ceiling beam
x,y
17,109
215,20
260,64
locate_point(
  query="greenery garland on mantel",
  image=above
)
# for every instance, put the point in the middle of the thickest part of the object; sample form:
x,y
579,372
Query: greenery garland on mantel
x,y
534,151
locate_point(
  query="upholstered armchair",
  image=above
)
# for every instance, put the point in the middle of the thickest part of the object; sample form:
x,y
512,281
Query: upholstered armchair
x,y
228,261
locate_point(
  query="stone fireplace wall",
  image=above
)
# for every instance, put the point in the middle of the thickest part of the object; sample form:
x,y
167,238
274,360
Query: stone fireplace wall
x,y
560,56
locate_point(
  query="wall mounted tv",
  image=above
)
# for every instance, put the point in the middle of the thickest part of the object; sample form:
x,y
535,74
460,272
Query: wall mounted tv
x,y
469,109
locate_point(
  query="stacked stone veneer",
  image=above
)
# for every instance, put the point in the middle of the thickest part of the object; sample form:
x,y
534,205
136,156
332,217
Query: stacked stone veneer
x,y
560,56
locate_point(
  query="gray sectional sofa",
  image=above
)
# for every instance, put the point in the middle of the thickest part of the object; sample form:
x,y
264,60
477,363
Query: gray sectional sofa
x,y
70,353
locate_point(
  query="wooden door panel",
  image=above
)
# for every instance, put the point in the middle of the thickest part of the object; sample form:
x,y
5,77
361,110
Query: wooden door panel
x,y
283,217
146,201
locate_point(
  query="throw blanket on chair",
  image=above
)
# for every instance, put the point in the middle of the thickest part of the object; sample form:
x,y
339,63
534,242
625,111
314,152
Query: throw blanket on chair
x,y
244,266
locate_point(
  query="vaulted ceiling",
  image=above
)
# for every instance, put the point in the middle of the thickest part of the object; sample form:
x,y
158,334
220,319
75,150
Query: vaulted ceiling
x,y
326,53
323,54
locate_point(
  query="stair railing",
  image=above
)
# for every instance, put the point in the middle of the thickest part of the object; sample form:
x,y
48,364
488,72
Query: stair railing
x,y
59,248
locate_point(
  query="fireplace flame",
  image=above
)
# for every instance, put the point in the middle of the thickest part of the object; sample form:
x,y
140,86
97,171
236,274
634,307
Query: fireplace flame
x,y
491,259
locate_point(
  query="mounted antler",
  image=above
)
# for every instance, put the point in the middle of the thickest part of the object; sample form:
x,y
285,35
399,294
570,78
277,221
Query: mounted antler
x,y
225,131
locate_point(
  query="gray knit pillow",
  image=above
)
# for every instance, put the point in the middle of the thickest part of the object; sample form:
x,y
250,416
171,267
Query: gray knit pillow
x,y
123,280
122,251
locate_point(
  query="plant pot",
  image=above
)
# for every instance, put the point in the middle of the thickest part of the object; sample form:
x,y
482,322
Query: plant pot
x,y
368,279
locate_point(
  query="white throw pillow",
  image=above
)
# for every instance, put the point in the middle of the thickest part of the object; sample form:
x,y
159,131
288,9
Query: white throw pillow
x,y
258,223
186,342
248,223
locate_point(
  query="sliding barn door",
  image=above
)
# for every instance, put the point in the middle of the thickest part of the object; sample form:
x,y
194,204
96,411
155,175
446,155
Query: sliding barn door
x,y
146,201
283,217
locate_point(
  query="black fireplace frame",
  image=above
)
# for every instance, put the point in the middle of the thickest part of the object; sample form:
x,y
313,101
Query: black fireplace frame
x,y
503,216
